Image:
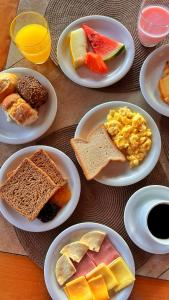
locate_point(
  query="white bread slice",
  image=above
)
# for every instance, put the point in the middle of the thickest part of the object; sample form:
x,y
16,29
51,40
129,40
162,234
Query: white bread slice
x,y
96,152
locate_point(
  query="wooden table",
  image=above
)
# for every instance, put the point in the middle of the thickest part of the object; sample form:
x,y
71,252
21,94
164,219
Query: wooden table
x,y
19,277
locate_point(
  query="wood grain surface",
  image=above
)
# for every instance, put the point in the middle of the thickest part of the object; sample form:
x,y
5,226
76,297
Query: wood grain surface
x,y
21,279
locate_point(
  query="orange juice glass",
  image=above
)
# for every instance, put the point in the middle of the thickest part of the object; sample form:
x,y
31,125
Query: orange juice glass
x,y
30,32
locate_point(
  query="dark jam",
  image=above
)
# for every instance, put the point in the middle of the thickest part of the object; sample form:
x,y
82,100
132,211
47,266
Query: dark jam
x,y
158,221
48,212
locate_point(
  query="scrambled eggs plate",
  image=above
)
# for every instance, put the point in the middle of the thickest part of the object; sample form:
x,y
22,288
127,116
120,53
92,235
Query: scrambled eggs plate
x,y
130,133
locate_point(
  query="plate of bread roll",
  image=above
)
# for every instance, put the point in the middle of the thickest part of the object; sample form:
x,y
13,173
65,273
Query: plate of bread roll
x,y
28,105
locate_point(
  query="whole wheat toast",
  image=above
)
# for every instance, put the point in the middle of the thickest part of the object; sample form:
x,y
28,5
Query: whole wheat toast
x,y
28,189
96,151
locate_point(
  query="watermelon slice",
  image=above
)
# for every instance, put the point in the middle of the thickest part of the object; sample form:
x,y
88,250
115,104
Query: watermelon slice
x,y
95,63
102,45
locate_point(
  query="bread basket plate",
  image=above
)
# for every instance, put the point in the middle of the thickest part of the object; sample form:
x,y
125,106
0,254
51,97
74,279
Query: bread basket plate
x,y
150,74
71,234
117,173
68,170
11,133
118,67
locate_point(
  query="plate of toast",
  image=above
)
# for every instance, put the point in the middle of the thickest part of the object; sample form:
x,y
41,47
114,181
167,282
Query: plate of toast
x,y
40,188
117,143
28,105
89,259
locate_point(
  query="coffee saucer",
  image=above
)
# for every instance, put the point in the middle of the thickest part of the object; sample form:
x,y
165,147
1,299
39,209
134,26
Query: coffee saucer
x,y
135,218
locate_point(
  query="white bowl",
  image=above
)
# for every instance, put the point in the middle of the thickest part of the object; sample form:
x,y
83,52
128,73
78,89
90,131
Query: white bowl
x,y
73,233
117,173
69,171
11,133
118,67
135,214
151,72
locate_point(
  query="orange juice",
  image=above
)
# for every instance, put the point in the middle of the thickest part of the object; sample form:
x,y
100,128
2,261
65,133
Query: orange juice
x,y
34,42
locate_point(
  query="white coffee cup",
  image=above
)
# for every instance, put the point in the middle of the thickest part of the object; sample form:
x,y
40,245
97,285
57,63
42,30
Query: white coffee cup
x,y
136,215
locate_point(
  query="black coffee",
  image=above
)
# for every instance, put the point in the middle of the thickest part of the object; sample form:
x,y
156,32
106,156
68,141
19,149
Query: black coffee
x,y
158,221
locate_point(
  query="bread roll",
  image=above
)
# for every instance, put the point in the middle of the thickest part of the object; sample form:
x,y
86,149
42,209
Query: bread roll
x,y
7,84
19,111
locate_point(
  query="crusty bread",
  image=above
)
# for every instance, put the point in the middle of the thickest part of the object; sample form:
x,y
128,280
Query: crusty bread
x,y
96,152
42,160
19,111
8,83
28,189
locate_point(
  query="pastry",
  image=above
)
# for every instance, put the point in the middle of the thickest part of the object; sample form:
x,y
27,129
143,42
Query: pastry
x,y
32,91
18,110
7,84
164,84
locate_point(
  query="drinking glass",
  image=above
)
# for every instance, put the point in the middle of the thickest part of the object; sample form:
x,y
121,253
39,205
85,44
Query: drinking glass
x,y
153,22
30,32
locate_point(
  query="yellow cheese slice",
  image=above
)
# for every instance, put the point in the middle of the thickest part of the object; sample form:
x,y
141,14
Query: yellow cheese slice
x,y
78,289
122,273
99,288
108,276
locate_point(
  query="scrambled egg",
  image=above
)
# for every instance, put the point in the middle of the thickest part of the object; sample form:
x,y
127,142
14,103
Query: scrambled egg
x,y
130,133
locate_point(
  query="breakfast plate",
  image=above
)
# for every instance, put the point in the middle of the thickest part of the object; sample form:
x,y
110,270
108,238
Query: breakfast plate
x,y
72,234
68,170
150,74
135,212
118,66
120,173
12,133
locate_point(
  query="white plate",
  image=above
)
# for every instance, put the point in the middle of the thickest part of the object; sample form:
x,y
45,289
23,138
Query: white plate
x,y
118,67
133,213
69,171
151,72
73,233
11,133
117,173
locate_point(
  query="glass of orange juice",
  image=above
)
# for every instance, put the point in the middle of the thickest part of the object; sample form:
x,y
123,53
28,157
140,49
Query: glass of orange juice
x,y
30,32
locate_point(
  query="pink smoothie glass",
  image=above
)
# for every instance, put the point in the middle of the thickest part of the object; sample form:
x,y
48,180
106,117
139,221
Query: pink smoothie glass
x,y
153,22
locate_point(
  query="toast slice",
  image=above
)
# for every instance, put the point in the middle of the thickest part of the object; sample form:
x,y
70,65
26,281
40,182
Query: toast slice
x,y
28,189
42,160
96,152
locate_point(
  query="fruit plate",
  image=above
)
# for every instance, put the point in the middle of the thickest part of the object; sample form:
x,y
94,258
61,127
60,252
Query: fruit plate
x,y
11,133
118,67
74,233
116,173
150,74
69,171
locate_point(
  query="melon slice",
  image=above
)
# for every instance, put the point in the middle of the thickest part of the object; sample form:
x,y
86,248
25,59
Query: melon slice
x,y
95,63
78,47
102,45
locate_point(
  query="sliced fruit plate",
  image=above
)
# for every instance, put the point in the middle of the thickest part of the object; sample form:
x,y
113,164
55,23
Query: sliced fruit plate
x,y
95,51
87,258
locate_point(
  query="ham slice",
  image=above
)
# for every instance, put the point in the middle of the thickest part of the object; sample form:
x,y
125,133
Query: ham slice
x,y
84,267
106,255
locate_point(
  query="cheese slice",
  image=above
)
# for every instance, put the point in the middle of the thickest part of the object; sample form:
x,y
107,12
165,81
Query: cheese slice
x,y
64,269
109,278
78,289
122,273
98,288
75,251
93,239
